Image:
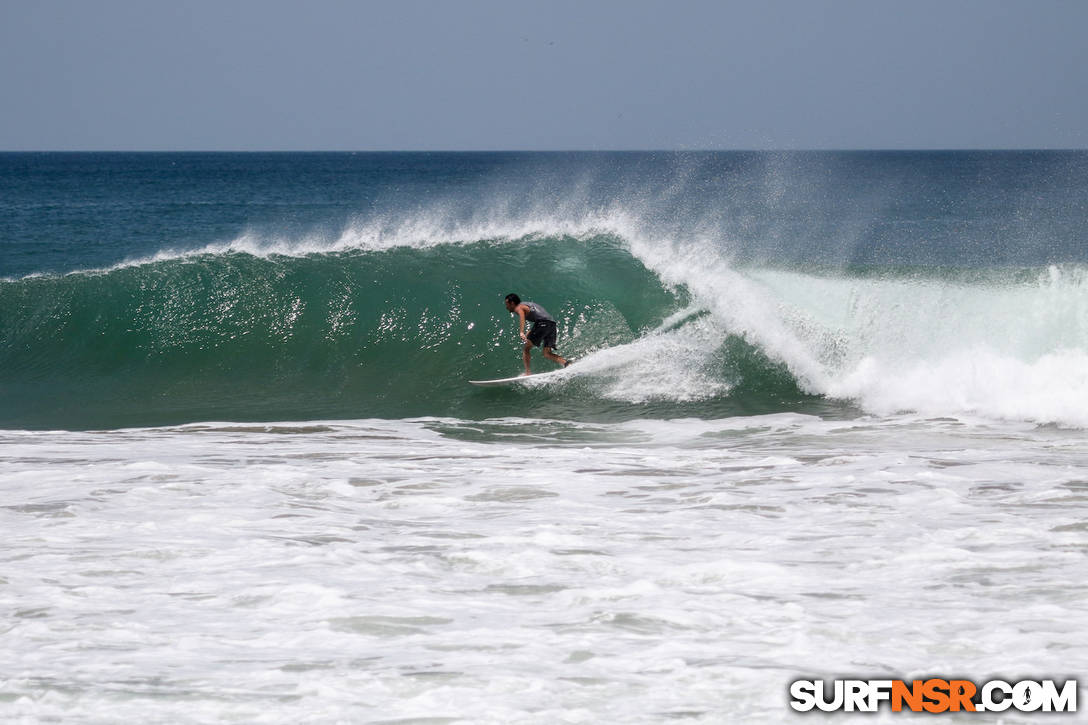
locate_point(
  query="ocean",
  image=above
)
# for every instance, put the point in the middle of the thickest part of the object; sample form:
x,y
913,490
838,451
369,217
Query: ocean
x,y
826,420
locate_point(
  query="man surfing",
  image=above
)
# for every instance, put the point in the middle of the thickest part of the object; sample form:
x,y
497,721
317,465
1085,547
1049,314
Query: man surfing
x,y
543,332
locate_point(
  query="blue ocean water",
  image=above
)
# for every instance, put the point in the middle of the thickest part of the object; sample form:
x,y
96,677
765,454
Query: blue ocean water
x,y
827,419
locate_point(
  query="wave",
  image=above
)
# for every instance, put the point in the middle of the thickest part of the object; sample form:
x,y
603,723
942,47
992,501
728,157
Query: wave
x,y
359,333
388,319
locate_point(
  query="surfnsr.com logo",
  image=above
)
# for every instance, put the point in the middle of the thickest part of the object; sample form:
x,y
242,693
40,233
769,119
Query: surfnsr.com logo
x,y
934,695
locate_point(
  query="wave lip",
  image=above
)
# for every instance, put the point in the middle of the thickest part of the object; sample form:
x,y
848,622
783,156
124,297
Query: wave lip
x,y
380,234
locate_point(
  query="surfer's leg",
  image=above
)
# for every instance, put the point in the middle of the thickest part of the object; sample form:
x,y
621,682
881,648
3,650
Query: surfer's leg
x,y
553,357
525,355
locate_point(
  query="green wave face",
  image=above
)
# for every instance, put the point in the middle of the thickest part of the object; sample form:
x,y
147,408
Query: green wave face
x,y
392,333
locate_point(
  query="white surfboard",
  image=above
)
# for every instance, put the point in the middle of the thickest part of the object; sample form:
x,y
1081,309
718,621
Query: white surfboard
x,y
519,378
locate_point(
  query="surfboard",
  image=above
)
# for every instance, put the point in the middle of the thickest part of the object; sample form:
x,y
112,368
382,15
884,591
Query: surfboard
x,y
519,378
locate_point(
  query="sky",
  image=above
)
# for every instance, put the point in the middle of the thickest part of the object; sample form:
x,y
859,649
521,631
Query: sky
x,y
334,75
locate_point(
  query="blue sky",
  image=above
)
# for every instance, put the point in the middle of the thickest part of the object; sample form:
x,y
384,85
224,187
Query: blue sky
x,y
337,75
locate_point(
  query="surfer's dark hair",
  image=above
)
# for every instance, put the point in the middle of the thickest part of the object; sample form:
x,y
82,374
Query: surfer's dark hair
x,y
513,298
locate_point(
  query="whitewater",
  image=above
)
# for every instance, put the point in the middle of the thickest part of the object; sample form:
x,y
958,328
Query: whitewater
x,y
827,421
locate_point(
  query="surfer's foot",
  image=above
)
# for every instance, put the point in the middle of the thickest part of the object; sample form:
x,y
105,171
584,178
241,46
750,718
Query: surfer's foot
x,y
567,363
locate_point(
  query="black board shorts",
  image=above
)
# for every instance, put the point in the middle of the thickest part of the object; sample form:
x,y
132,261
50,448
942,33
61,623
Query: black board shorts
x,y
544,333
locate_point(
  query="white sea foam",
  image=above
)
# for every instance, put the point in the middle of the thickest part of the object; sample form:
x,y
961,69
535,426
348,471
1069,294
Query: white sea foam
x,y
678,365
529,571
1010,349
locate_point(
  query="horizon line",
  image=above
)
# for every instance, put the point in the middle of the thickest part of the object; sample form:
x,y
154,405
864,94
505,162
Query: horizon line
x,y
939,149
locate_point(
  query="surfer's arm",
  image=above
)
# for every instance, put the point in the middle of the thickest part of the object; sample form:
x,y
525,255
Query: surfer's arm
x,y
521,323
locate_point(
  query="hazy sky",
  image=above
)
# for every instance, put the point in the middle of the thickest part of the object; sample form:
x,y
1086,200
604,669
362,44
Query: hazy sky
x,y
553,74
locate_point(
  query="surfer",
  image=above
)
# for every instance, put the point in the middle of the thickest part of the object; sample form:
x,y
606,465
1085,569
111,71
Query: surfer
x,y
543,332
